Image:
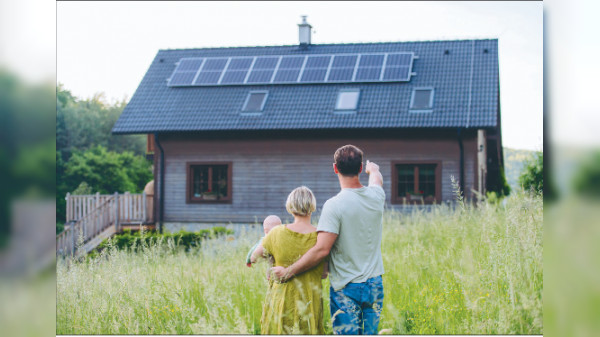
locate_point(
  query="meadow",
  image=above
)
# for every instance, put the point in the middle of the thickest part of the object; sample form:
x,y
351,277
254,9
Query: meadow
x,y
462,269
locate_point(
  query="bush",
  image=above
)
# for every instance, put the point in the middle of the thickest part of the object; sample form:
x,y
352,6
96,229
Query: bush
x,y
532,176
129,239
587,178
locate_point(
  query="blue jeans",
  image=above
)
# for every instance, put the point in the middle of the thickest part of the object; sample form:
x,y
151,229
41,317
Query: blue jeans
x,y
355,309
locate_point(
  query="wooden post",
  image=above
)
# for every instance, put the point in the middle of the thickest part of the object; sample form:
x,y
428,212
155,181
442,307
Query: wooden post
x,y
73,238
144,203
481,161
68,210
116,201
97,226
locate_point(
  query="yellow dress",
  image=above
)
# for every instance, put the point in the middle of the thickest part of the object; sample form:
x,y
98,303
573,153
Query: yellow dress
x,y
294,307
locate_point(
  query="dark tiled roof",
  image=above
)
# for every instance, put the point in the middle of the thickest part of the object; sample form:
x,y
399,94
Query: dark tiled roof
x,y
463,98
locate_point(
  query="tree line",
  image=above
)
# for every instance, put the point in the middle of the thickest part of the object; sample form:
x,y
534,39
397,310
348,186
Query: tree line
x,y
89,158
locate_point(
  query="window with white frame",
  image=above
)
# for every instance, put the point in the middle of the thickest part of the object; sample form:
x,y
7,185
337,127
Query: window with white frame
x,y
347,99
422,99
255,102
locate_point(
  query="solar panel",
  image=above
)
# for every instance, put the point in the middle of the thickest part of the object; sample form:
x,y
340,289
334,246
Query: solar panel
x,y
395,73
260,76
342,68
263,69
234,77
315,68
313,75
236,70
398,60
272,69
397,67
185,71
344,61
214,64
367,60
189,65
368,74
287,76
289,69
182,78
266,62
369,67
291,62
340,75
317,62
240,64
208,77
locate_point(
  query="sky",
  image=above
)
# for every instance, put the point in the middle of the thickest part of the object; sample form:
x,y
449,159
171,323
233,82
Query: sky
x,y
108,46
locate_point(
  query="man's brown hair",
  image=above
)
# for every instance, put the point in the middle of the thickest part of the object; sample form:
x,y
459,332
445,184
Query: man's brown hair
x,y
348,160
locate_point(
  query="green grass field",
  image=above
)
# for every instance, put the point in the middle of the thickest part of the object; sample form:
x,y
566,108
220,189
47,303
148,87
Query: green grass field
x,y
471,270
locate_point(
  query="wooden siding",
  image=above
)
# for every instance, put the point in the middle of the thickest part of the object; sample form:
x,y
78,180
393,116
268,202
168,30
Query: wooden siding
x,y
265,171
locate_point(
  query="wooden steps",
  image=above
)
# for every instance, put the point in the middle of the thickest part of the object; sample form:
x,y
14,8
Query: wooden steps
x,y
94,242
94,218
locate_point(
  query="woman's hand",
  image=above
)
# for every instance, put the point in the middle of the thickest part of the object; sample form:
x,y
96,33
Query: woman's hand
x,y
281,274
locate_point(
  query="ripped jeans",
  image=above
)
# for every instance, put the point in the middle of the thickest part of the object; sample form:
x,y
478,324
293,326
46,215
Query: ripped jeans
x,y
355,309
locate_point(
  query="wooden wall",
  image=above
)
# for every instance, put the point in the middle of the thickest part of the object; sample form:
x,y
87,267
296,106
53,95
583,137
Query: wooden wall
x,y
266,170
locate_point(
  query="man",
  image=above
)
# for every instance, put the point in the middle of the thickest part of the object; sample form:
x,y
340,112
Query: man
x,y
350,231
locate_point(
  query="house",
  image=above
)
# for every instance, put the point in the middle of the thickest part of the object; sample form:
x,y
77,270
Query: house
x,y
234,130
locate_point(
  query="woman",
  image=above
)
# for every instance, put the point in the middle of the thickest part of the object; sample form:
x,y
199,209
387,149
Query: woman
x,y
295,307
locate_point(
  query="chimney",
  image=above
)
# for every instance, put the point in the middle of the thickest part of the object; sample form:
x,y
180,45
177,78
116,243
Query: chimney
x,y
304,32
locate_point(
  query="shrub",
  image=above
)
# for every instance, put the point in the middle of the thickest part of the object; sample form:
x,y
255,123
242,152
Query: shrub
x,y
587,179
532,176
129,239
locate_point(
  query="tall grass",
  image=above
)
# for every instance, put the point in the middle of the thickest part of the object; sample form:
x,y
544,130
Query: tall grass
x,y
451,270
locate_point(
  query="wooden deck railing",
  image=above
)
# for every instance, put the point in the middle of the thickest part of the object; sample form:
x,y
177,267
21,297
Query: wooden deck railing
x,y
90,215
133,207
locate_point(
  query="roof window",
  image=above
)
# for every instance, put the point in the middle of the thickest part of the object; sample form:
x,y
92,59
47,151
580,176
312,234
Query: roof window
x,y
255,102
421,100
347,100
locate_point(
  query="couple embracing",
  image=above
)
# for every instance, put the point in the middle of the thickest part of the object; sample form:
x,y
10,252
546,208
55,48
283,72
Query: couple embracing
x,y
348,238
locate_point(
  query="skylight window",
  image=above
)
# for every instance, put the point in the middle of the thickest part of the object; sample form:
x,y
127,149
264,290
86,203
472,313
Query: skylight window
x,y
421,100
347,99
255,102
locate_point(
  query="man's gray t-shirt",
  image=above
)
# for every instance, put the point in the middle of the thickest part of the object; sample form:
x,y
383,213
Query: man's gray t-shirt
x,y
356,215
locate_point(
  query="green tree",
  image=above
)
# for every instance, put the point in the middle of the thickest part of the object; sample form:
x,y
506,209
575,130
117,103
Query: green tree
x,y
586,181
108,171
83,124
532,176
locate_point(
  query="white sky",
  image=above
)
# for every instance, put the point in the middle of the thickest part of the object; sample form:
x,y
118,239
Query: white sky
x,y
108,46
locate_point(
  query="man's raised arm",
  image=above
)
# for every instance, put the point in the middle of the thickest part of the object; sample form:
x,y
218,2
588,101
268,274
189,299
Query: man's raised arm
x,y
310,259
375,177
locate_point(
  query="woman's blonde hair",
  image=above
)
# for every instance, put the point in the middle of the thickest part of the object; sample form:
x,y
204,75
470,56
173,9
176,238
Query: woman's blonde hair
x,y
301,201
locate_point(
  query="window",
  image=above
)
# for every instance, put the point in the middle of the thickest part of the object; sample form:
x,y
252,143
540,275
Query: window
x,y
347,99
208,183
421,100
416,182
255,102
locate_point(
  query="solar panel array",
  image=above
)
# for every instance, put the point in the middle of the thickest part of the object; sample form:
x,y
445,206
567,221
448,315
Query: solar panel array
x,y
338,68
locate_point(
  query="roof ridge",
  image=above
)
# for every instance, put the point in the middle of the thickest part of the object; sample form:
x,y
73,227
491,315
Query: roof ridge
x,y
332,44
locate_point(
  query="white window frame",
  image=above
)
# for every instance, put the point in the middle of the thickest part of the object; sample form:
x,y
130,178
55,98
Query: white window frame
x,y
262,106
412,100
337,101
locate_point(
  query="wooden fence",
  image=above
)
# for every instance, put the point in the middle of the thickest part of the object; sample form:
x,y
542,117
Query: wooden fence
x,y
88,216
133,208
